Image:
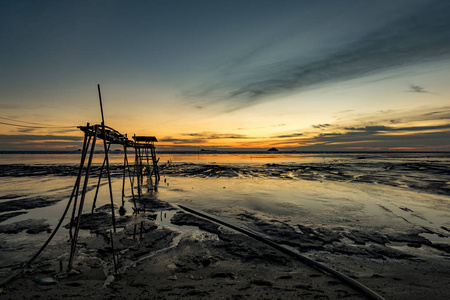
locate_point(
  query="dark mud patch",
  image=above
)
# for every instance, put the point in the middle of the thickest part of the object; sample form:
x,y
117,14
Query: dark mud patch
x,y
232,243
202,170
19,170
442,247
371,251
99,222
7,216
373,245
31,226
182,218
361,238
433,177
445,228
305,238
235,245
27,203
11,196
150,201
411,239
106,208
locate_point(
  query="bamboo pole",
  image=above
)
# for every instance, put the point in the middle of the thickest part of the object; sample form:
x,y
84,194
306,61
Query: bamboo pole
x,y
141,175
137,168
124,174
58,225
149,173
83,196
98,183
131,182
76,187
110,184
107,161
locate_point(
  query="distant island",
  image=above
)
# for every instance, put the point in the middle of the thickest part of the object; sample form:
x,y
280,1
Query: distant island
x,y
273,149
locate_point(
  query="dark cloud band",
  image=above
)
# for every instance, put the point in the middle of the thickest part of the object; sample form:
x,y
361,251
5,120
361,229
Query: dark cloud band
x,y
420,37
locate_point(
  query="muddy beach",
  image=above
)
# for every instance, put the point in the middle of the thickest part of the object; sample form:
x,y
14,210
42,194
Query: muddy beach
x,y
196,258
386,227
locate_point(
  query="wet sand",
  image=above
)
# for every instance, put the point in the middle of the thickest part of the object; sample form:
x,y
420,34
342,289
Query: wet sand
x,y
383,223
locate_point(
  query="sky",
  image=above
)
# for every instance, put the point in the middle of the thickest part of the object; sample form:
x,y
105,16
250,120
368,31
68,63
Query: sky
x,y
348,75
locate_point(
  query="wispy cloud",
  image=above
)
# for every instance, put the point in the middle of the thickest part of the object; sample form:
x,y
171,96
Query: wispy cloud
x,y
39,142
203,137
28,137
383,128
419,129
422,36
318,126
384,139
26,130
416,89
292,135
215,136
419,37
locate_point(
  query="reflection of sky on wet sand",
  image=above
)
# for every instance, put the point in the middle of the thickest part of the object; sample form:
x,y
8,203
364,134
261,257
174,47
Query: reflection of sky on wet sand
x,y
117,158
200,157
315,203
272,191
211,157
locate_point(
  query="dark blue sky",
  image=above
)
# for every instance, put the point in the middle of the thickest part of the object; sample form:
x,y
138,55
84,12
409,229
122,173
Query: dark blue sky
x,y
256,69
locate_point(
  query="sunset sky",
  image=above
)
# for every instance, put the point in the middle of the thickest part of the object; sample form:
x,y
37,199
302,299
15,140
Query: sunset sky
x,y
297,75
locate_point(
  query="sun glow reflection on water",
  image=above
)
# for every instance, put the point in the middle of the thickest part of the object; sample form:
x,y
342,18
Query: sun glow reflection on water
x,y
118,158
292,199
315,203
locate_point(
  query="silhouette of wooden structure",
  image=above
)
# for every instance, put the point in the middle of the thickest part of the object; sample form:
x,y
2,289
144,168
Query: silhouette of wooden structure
x,y
143,175
146,162
142,172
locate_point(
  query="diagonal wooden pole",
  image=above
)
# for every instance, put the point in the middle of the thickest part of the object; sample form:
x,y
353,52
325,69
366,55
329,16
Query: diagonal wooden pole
x,y
76,187
107,161
131,177
124,173
83,196
98,183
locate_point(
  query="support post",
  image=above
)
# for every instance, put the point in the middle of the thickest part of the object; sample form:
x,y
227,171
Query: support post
x,y
107,161
131,182
98,183
137,169
124,173
83,196
76,187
